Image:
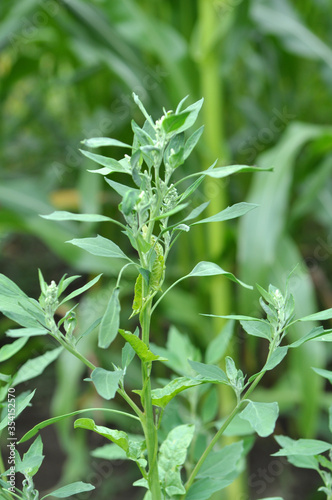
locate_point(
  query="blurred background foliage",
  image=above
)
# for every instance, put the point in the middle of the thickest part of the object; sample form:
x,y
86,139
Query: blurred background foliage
x,y
264,67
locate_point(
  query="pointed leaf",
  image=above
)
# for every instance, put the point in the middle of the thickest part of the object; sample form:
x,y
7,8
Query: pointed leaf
x,y
128,353
192,141
320,316
9,350
228,213
22,401
173,123
324,373
220,463
196,212
258,329
161,397
211,269
81,289
305,447
276,357
26,332
121,189
314,334
100,246
210,372
106,382
141,349
70,489
98,142
261,416
118,437
218,346
35,367
221,172
110,323
63,215
36,449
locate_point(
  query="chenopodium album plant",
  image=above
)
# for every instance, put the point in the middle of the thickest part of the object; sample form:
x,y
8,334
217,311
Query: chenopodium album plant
x,y
150,199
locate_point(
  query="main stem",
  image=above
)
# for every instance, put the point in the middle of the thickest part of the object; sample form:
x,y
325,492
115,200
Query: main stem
x,y
149,427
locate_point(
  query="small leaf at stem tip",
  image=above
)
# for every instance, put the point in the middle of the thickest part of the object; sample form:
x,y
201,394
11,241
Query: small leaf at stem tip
x,y
81,289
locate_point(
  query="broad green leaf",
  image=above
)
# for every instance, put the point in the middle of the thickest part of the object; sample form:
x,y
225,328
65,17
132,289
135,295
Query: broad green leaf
x,y
120,438
221,172
221,463
141,349
28,464
211,269
258,329
305,447
22,401
173,123
161,397
218,345
22,309
60,216
210,372
100,246
228,213
35,450
276,357
202,489
35,366
304,462
70,489
81,289
261,416
172,455
110,323
106,382
324,373
59,418
110,165
98,142
320,316
128,353
9,350
121,189
238,427
26,332
8,287
109,452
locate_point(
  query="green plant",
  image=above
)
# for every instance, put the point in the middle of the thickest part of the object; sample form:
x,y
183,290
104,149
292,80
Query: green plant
x,y
149,200
308,453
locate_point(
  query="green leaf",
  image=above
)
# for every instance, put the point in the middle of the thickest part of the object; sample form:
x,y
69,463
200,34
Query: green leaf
x,y
172,455
218,346
161,397
110,323
121,189
9,350
100,246
128,353
305,447
22,309
304,462
81,289
22,401
63,215
191,189
70,489
35,450
228,213
196,212
258,329
175,210
106,382
320,316
315,333
28,464
59,418
109,452
210,269
323,373
98,142
110,165
261,416
210,372
221,463
221,172
173,123
118,437
276,357
26,332
191,142
34,367
141,349
204,488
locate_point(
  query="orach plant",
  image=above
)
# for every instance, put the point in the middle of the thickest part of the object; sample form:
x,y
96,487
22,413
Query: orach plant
x,y
149,201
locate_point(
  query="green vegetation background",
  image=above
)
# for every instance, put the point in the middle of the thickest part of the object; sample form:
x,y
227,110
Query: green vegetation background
x,y
264,67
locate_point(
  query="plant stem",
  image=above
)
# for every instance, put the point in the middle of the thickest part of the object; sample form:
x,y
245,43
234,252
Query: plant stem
x,y
73,351
147,419
220,432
